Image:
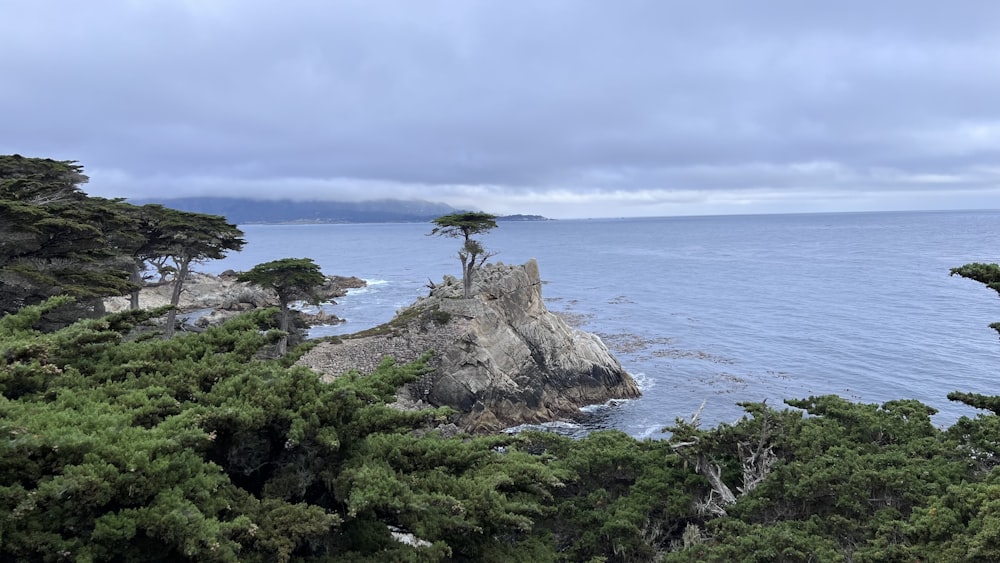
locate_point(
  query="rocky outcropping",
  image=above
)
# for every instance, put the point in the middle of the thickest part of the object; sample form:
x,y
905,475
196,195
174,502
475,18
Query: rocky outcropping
x,y
226,297
501,358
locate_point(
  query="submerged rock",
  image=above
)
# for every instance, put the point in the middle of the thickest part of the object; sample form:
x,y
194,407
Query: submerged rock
x,y
501,358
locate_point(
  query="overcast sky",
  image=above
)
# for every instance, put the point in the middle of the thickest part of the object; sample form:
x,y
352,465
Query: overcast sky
x,y
570,108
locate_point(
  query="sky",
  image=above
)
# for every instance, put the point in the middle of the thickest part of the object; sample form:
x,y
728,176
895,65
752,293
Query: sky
x,y
564,108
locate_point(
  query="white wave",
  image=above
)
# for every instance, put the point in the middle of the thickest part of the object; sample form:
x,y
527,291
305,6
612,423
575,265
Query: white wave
x,y
644,382
559,426
607,404
650,432
369,286
327,325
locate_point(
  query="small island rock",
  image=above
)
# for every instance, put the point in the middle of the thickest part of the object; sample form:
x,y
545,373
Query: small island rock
x,y
501,358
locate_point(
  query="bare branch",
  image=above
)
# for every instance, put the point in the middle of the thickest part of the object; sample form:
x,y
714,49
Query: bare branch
x,y
757,459
758,462
696,417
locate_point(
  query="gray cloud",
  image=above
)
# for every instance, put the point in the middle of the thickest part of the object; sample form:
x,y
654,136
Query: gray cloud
x,y
571,108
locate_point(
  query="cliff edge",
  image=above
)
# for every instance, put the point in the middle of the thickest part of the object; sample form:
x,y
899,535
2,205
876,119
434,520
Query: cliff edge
x,y
501,358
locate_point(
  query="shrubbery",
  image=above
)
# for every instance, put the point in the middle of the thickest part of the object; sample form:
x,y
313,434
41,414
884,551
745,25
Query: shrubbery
x,y
123,447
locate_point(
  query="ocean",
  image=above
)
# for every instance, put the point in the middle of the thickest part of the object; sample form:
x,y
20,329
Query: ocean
x,y
720,309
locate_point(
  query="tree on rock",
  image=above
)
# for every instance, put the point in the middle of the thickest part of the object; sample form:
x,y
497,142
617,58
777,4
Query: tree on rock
x,y
473,254
290,278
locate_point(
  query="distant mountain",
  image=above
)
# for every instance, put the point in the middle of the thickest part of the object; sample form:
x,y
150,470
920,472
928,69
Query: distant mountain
x,y
519,217
246,211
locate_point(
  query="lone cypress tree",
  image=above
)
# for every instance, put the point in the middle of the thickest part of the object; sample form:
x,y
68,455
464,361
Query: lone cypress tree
x,y
290,278
472,254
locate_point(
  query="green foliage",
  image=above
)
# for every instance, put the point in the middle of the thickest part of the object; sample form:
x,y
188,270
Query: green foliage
x,y
624,500
464,224
117,447
289,278
976,400
53,239
847,481
478,496
962,524
986,274
190,238
39,180
440,317
415,315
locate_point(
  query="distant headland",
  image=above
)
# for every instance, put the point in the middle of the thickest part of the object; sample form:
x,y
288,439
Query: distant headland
x,y
245,211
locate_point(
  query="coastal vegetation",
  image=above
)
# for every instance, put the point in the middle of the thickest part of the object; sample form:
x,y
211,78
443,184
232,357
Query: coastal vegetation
x,y
289,279
56,240
118,445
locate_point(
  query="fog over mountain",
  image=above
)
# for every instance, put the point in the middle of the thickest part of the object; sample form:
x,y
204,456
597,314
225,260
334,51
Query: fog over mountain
x,y
245,211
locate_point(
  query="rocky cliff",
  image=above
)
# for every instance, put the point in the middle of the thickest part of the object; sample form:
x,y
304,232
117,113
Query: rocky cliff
x,y
501,358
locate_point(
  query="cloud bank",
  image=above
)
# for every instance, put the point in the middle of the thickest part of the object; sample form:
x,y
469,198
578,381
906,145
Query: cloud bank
x,y
571,108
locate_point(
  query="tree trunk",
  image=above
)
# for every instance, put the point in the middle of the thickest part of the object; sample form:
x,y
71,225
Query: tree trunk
x,y
466,275
175,297
283,325
136,278
470,271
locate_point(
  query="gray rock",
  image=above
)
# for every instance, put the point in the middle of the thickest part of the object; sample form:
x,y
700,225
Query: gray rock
x,y
501,358
225,297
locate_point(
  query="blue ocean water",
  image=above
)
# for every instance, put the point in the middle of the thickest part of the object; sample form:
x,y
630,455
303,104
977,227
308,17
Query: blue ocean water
x,y
716,309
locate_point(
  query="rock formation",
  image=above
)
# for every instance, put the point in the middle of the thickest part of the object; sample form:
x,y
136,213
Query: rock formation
x,y
501,358
226,297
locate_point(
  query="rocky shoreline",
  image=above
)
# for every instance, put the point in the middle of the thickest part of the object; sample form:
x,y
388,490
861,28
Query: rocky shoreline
x,y
500,360
215,299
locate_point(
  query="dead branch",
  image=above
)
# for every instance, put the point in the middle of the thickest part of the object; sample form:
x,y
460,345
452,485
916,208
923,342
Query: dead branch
x,y
757,463
757,460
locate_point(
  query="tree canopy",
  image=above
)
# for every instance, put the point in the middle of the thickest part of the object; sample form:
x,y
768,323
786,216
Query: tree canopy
x,y
54,240
464,224
57,240
986,274
290,279
40,181
188,238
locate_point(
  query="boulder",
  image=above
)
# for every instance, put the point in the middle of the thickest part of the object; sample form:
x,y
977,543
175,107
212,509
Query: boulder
x,y
501,358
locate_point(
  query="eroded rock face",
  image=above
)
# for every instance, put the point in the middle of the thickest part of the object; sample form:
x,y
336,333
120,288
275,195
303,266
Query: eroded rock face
x,y
502,358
